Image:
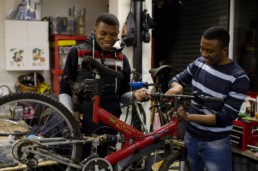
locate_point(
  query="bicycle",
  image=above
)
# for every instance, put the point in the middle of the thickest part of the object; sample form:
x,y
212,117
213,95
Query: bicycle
x,y
59,139
138,117
160,75
161,112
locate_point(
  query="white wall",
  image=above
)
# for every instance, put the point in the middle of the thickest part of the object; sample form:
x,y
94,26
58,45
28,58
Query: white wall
x,y
121,8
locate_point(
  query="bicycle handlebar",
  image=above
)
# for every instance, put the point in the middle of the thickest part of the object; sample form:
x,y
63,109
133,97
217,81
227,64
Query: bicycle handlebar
x,y
91,84
194,97
101,68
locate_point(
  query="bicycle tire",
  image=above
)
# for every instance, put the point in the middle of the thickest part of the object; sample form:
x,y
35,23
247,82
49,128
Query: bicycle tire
x,y
171,163
46,109
138,119
161,76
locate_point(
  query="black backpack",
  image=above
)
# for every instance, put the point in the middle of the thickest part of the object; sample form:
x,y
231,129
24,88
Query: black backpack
x,y
128,32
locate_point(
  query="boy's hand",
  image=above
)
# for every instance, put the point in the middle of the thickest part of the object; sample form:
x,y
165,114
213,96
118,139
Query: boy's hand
x,y
141,95
78,117
182,113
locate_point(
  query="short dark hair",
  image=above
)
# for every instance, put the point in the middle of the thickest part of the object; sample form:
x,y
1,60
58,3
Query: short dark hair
x,y
219,33
107,18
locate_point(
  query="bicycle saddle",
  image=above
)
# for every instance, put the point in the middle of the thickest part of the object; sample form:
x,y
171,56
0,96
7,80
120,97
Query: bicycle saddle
x,y
164,68
101,68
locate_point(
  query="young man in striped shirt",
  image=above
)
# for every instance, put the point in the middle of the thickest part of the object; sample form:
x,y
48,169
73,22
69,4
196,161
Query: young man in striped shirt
x,y
207,136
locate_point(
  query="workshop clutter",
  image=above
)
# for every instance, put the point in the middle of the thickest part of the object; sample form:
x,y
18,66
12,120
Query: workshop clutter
x,y
63,25
33,82
6,158
27,83
24,111
24,11
245,129
250,106
73,24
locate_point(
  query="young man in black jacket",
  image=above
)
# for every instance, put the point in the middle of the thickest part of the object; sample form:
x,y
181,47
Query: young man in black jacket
x,y
100,45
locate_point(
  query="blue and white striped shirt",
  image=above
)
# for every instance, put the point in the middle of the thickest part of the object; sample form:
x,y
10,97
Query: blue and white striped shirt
x,y
228,81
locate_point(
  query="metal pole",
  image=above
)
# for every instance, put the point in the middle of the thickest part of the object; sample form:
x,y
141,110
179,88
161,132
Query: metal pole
x,y
137,50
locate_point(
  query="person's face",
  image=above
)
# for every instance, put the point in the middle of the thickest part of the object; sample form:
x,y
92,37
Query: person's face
x,y
212,52
106,35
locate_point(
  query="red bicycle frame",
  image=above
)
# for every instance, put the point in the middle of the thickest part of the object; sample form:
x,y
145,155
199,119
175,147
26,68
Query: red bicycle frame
x,y
139,143
141,140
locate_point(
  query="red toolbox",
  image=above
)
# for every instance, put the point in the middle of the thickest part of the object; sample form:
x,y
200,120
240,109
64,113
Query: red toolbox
x,y
244,133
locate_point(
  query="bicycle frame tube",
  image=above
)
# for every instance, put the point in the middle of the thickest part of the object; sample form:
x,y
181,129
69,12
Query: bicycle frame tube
x,y
141,140
114,122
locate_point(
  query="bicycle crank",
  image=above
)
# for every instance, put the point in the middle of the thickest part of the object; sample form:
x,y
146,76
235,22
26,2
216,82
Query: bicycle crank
x,y
22,152
97,164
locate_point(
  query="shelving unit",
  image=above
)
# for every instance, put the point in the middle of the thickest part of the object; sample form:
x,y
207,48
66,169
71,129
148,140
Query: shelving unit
x,y
60,45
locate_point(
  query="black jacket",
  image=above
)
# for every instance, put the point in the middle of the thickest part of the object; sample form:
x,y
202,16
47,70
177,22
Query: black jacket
x,y
112,88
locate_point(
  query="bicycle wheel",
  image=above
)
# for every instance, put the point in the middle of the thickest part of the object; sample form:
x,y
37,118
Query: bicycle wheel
x,y
28,119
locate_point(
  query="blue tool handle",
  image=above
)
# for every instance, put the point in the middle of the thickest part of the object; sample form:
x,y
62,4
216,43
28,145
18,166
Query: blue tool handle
x,y
138,84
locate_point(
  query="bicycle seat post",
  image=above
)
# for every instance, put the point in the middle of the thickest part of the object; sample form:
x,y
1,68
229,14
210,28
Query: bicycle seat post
x,y
96,98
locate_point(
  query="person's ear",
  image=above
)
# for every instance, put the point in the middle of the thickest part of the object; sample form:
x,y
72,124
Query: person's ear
x,y
225,49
